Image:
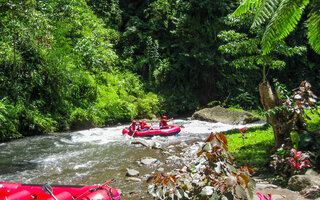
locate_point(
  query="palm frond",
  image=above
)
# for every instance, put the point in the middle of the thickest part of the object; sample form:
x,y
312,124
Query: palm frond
x,y
265,11
245,6
314,29
284,20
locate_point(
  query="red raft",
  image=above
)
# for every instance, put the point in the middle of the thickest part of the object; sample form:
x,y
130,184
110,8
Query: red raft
x,y
172,130
18,191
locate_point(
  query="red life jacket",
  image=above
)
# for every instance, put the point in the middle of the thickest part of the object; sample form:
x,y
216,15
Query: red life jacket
x,y
163,122
132,128
141,126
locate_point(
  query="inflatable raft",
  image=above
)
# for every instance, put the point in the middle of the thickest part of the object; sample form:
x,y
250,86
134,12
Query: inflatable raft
x,y
18,191
172,130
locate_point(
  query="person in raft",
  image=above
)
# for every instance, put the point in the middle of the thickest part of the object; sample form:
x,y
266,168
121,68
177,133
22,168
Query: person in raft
x,y
164,122
133,127
141,126
147,127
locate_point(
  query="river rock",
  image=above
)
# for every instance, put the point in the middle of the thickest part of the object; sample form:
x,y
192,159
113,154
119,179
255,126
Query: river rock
x,y
311,172
219,114
155,145
133,179
300,182
312,192
308,184
160,170
183,145
132,172
174,159
141,141
148,161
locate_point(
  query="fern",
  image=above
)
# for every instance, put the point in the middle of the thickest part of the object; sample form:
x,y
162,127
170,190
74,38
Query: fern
x,y
314,29
284,16
284,20
245,6
265,12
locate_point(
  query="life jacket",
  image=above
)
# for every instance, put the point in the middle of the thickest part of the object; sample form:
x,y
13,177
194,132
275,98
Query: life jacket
x,y
163,123
132,128
141,126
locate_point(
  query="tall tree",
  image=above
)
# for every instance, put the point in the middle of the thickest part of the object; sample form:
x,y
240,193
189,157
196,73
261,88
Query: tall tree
x,y
277,19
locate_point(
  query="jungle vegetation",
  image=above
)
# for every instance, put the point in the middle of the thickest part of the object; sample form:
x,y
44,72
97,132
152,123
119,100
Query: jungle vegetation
x,y
71,64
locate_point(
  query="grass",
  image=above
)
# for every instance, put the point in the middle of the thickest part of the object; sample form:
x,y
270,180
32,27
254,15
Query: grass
x,y
252,150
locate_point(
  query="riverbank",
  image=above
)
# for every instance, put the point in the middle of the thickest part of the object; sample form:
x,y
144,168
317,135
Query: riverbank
x,y
180,154
249,149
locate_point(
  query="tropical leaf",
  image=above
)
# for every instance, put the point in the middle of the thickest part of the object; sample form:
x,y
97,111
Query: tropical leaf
x,y
314,28
245,6
284,20
265,11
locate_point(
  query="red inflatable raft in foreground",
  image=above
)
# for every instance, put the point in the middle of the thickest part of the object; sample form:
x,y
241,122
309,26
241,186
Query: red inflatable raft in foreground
x,y
172,130
17,191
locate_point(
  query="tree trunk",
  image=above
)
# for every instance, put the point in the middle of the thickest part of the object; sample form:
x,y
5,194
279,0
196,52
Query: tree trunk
x,y
279,120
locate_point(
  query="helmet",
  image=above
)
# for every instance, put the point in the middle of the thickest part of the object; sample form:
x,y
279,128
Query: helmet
x,y
134,122
144,122
164,117
140,122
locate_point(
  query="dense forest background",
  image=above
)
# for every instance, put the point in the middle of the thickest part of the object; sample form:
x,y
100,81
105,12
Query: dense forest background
x,y
68,64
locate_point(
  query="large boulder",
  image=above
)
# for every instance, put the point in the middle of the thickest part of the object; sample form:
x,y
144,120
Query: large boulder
x,y
132,172
299,182
307,183
219,114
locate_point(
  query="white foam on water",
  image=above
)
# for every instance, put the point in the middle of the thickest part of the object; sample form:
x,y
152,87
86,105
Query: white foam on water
x,y
98,135
202,127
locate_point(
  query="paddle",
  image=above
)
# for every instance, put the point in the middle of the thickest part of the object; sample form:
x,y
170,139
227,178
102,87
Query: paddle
x,y
134,132
48,190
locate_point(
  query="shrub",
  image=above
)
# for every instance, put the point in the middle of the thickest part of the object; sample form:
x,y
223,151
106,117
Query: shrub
x,y
8,121
213,177
288,161
33,122
81,118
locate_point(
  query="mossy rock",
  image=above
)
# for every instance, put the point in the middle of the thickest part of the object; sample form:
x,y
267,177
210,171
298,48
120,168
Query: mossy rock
x,y
219,114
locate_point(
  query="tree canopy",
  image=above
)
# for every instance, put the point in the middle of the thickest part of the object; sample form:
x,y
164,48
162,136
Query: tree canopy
x,y
74,64
281,17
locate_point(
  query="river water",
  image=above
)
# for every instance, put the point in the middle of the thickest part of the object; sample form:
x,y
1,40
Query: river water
x,y
92,156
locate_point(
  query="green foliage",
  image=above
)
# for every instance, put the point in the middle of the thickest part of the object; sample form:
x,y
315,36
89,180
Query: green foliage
x,y
54,57
253,151
124,99
109,11
81,63
33,122
248,55
313,27
243,51
172,45
313,121
8,121
284,20
283,17
294,136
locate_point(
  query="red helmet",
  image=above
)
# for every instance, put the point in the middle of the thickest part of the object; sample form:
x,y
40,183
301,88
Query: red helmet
x,y
134,122
140,122
144,122
164,117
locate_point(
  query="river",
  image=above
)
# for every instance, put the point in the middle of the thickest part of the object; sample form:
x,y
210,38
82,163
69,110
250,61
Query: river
x,y
92,156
